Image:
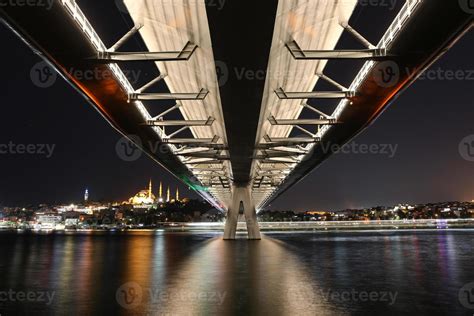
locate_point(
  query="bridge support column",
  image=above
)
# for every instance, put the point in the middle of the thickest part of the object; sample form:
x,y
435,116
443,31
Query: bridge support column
x,y
241,198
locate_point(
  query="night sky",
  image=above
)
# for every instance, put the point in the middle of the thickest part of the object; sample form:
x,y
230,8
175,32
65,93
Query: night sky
x,y
427,124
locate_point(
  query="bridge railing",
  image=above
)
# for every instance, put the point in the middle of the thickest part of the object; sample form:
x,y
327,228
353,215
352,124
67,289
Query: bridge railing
x,y
393,30
75,11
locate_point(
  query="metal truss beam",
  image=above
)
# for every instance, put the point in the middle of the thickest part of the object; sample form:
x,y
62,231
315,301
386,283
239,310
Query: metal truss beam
x,y
283,95
297,150
203,162
278,160
331,81
125,38
273,169
171,109
116,57
207,122
201,145
291,140
326,116
151,83
191,141
269,155
357,35
299,54
199,170
201,95
275,121
210,155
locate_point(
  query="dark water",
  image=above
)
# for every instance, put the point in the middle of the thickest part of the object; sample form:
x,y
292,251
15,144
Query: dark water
x,y
157,273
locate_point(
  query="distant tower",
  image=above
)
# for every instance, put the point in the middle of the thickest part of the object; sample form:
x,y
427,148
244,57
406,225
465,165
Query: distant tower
x,y
150,189
160,197
86,195
177,194
168,194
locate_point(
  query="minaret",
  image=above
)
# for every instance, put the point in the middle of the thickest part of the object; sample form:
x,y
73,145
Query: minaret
x,y
161,192
150,190
168,194
86,196
177,194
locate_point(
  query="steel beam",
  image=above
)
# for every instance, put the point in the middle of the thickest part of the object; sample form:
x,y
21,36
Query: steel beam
x,y
201,95
269,155
203,162
277,160
299,54
275,121
283,95
190,141
207,122
151,83
291,140
210,155
125,38
116,57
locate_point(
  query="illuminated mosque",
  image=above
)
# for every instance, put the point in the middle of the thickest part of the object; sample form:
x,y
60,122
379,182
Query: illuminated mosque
x,y
146,197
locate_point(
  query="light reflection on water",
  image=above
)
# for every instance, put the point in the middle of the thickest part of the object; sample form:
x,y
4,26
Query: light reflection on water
x,y
200,274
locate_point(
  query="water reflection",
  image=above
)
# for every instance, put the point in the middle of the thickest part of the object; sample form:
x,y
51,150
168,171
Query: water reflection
x,y
229,277
200,274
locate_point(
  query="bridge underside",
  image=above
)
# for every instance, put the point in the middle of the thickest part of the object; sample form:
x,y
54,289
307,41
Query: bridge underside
x,y
241,153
